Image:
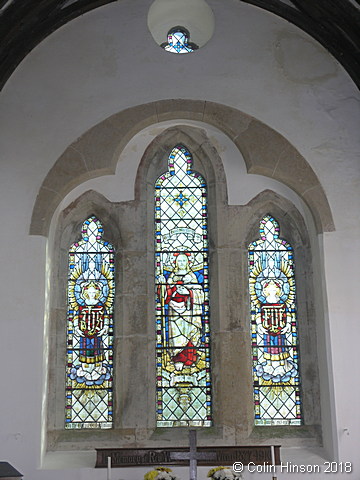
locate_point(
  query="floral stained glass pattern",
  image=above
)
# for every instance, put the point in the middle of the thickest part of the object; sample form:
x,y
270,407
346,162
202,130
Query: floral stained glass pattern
x,y
274,328
178,41
182,295
90,330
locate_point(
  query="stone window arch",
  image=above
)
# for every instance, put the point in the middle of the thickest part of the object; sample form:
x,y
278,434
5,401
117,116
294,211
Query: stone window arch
x,y
90,329
183,365
205,161
129,226
59,345
296,233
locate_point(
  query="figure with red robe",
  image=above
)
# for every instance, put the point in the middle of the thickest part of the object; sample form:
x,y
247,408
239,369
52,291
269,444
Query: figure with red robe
x,y
183,304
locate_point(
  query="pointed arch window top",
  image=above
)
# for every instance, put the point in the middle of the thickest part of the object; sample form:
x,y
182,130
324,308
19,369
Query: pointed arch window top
x,y
178,41
180,173
89,366
274,332
180,161
269,236
182,295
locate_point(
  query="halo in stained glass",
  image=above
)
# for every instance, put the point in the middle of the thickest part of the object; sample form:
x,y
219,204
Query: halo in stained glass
x,y
178,41
182,295
274,333
91,290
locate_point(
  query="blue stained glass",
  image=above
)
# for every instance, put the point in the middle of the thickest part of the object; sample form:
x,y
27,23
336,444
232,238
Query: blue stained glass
x,y
181,299
178,42
91,291
273,328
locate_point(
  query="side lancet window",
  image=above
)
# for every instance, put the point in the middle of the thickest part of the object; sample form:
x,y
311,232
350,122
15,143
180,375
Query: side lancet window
x,y
182,295
90,330
274,328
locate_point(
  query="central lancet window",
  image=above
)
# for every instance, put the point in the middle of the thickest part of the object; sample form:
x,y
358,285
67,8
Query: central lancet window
x,y
274,328
182,295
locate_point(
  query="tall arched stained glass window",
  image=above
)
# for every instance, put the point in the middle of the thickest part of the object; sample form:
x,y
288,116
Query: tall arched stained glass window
x,y
90,330
274,328
182,295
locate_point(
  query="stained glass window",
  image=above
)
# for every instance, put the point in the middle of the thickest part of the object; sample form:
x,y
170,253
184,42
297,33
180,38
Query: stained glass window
x,y
182,295
178,41
90,330
274,328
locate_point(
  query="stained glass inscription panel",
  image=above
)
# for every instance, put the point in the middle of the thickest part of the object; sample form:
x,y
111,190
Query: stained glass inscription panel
x,y
182,295
274,328
90,330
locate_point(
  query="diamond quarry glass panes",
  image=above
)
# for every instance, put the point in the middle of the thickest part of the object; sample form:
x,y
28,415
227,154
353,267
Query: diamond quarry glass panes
x,y
182,295
178,41
90,330
274,328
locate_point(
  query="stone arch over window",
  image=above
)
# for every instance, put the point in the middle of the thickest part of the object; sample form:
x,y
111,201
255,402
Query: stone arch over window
x,y
67,232
90,329
130,228
183,366
96,152
206,161
309,318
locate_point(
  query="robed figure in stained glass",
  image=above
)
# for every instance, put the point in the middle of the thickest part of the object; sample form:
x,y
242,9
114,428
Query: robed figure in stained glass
x,y
274,328
183,306
273,324
182,295
89,332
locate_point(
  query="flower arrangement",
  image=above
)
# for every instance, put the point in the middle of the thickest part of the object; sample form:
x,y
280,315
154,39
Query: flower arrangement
x,y
224,473
160,473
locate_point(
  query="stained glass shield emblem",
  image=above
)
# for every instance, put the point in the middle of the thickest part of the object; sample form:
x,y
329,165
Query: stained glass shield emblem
x,y
274,328
182,295
90,330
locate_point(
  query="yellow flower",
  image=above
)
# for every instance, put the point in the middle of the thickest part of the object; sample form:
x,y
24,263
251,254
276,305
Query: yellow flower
x,y
213,470
154,473
151,475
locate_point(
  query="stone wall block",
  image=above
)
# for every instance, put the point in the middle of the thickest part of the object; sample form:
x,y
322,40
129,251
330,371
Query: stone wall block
x,y
98,149
134,269
260,147
46,202
135,315
228,391
135,388
294,171
180,108
131,221
69,170
320,208
229,120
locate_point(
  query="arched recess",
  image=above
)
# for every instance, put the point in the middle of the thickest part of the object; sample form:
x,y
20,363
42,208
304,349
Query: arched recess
x,y
131,229
207,162
294,230
96,152
65,233
129,226
231,228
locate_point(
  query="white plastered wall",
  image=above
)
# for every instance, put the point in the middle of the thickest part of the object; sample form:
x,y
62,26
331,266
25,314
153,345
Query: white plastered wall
x,y
97,66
